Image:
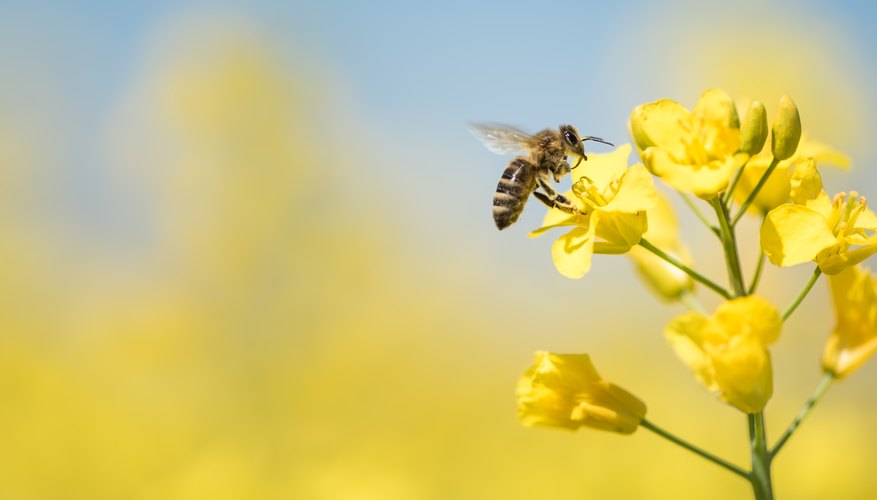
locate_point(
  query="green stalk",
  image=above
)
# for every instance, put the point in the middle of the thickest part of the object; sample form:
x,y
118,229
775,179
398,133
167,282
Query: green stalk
x,y
730,192
760,477
690,447
729,245
820,391
803,293
757,276
687,270
754,193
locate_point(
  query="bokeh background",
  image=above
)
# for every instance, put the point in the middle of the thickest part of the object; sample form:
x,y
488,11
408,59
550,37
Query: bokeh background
x,y
247,249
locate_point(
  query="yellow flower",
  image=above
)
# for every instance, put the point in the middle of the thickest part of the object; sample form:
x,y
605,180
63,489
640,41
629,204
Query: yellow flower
x,y
835,233
775,191
694,152
854,339
666,281
614,200
727,352
564,390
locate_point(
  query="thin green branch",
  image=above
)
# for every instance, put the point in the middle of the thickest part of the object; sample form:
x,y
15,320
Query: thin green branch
x,y
688,446
730,192
759,267
760,477
820,391
803,293
687,270
749,199
700,215
729,245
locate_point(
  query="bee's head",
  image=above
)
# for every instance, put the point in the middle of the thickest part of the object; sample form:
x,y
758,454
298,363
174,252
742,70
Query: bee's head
x,y
574,145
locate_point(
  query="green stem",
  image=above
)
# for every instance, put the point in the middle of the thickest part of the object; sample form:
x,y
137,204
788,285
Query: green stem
x,y
687,270
730,192
729,245
757,276
820,391
760,477
803,293
700,215
754,193
690,447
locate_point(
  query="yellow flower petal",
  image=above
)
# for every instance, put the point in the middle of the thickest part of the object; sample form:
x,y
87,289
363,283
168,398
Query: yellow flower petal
x,y
687,334
822,153
620,231
636,192
603,168
704,181
854,338
750,316
572,252
660,124
835,259
792,234
743,374
719,116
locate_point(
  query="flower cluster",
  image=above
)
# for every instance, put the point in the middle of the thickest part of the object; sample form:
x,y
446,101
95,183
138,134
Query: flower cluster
x,y
736,168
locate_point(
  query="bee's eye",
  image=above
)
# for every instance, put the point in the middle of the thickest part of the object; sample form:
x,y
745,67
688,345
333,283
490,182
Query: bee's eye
x,y
571,138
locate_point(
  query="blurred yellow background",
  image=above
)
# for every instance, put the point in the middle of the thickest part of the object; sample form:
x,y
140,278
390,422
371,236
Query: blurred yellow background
x,y
248,251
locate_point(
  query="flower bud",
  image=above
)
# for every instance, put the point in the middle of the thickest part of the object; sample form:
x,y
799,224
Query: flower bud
x,y
564,390
786,131
754,129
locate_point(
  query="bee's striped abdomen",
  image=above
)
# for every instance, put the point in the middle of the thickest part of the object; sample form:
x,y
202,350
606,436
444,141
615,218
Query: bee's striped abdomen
x,y
517,182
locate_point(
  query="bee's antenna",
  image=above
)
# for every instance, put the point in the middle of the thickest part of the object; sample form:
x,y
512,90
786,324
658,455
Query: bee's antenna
x,y
596,139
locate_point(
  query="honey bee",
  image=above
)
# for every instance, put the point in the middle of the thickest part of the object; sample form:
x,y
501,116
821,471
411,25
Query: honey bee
x,y
548,150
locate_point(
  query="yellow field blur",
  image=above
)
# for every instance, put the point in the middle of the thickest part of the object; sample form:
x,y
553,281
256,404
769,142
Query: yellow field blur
x,y
268,321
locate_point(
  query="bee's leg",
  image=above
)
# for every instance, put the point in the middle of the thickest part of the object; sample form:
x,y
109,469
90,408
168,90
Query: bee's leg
x,y
553,199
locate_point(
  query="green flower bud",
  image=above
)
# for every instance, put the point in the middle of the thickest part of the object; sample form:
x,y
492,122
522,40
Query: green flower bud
x,y
754,129
786,131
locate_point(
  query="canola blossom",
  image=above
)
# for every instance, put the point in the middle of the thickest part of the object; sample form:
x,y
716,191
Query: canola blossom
x,y
613,200
836,232
692,151
564,390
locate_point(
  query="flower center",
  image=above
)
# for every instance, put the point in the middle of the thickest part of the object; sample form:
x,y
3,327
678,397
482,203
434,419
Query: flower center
x,y
587,191
697,141
845,213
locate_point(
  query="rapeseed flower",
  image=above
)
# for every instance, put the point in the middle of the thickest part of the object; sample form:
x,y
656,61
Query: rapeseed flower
x,y
727,352
613,200
564,390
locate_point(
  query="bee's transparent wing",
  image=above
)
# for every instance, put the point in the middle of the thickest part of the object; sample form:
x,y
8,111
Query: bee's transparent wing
x,y
501,139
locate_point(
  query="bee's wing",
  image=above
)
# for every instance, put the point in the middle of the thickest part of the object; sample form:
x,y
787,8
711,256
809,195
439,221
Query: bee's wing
x,y
502,139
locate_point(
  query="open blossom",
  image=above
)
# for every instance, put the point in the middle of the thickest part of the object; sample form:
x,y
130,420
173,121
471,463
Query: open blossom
x,y
835,233
854,339
692,151
564,390
727,352
613,200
